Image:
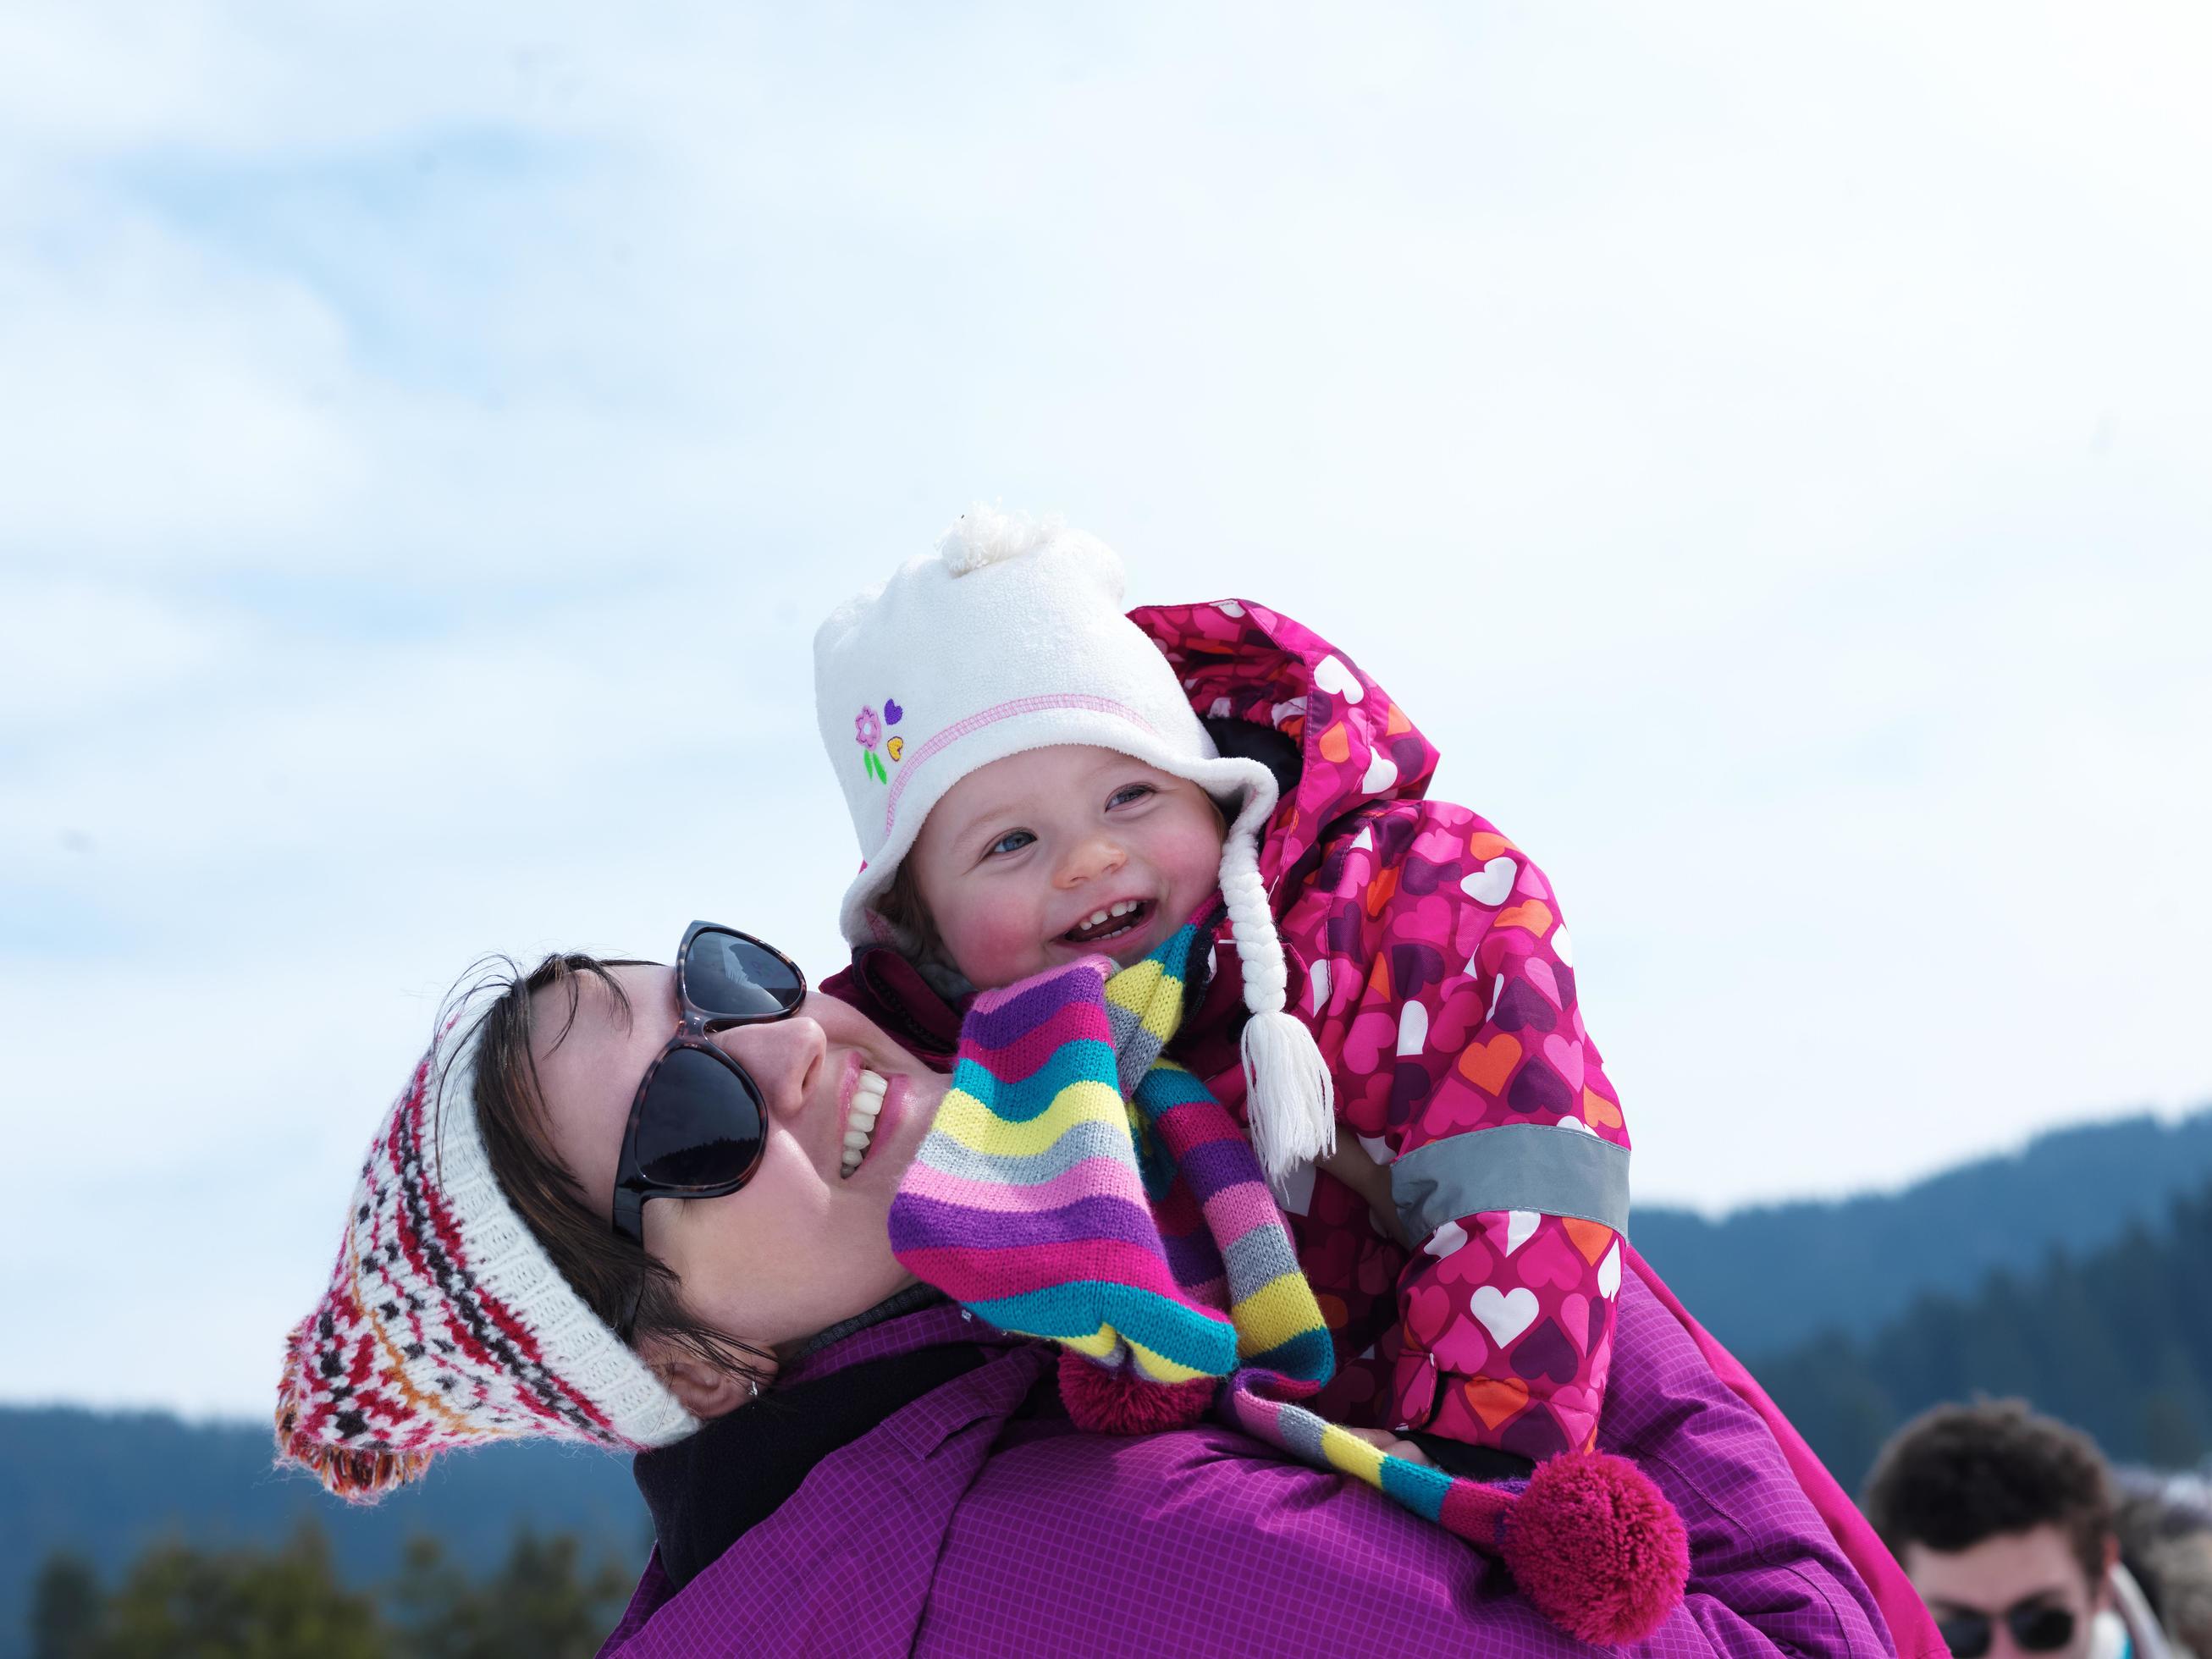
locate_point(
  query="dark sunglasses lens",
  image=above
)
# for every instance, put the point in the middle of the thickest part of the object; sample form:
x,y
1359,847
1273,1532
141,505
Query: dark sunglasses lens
x,y
2041,1629
1967,1636
701,1125
733,978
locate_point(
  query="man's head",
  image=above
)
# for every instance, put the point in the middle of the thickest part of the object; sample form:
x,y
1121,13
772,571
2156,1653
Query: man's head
x,y
2003,1521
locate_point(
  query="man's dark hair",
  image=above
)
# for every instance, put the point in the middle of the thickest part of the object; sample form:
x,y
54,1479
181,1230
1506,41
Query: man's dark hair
x,y
1958,1475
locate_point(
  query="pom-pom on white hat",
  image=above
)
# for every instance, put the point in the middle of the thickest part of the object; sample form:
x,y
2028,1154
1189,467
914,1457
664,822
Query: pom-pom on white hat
x,y
1011,637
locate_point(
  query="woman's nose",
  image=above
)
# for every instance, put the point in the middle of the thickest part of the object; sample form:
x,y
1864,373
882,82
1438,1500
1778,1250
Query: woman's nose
x,y
785,1058
1089,859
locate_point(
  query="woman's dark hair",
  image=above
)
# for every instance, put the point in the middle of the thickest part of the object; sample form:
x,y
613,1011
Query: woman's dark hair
x,y
608,1271
1958,1475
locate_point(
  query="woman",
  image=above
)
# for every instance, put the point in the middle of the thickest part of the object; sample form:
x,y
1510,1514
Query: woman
x,y
878,1472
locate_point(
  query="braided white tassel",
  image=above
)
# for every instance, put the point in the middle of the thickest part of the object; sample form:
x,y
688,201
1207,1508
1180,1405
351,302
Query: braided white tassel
x,y
1290,1104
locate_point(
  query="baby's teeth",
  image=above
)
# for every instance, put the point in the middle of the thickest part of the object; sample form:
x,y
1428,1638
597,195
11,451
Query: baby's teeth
x,y
1094,919
856,1138
1125,907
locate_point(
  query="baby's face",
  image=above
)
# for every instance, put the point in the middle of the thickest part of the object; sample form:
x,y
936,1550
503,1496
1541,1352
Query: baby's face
x,y
1020,858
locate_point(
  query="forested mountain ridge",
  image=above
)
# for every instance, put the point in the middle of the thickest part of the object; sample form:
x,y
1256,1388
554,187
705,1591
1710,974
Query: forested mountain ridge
x,y
1850,1265
2118,1341
109,1484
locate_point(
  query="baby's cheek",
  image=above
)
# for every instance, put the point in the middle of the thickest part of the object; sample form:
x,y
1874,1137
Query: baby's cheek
x,y
993,946
1195,857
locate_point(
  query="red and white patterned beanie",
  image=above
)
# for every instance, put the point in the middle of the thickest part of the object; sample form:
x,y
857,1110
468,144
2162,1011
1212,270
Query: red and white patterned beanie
x,y
1012,636
445,1323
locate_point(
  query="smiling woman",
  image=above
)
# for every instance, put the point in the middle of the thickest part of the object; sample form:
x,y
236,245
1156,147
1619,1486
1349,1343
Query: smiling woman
x,y
811,1418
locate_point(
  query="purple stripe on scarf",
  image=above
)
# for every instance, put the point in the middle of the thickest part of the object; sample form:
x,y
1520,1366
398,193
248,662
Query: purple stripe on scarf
x,y
1193,1260
925,1223
1026,1051
1217,1166
1024,1009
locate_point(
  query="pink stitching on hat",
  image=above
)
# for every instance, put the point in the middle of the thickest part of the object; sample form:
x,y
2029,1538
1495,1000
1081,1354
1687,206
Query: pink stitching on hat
x,y
960,729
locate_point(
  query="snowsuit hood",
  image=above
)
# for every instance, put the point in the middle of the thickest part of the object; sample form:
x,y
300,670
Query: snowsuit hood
x,y
1356,748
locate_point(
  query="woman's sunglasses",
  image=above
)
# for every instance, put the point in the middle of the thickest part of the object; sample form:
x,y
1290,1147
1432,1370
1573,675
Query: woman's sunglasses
x,y
2036,1627
698,1124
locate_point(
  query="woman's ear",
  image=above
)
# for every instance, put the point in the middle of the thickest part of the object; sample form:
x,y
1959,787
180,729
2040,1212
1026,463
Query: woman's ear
x,y
701,1388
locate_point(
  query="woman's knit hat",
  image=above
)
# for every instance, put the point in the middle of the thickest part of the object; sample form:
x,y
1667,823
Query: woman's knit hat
x,y
445,1323
1012,637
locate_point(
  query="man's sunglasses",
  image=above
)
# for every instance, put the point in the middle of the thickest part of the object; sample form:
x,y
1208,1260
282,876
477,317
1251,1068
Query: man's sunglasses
x,y
698,1124
2036,1627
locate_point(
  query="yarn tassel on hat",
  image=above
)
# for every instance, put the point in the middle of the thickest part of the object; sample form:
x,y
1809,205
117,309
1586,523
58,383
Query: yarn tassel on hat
x,y
1289,1101
358,1475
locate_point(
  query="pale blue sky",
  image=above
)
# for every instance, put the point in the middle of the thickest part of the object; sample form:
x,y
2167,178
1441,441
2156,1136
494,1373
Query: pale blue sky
x,y
1764,448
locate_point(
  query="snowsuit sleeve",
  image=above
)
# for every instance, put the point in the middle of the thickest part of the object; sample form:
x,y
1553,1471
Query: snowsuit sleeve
x,y
1446,1009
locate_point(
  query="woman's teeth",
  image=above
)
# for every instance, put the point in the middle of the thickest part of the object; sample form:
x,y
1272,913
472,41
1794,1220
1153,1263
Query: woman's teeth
x,y
1099,924
860,1117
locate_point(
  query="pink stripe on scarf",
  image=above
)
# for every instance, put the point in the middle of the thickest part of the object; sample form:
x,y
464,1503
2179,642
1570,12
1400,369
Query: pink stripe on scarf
x,y
1095,1177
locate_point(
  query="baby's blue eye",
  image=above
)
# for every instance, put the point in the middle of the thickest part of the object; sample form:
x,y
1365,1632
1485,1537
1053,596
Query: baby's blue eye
x,y
1134,792
1012,841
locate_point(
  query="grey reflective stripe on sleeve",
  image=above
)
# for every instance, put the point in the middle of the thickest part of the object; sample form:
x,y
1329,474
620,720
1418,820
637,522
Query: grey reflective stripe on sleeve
x,y
1515,1166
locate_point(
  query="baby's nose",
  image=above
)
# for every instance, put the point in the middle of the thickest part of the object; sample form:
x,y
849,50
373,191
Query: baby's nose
x,y
1089,860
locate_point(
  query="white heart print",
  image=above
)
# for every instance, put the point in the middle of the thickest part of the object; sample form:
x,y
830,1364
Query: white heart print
x,y
1412,1030
1608,1274
1446,1239
1317,982
1493,883
1520,1228
1503,1315
1332,676
1382,773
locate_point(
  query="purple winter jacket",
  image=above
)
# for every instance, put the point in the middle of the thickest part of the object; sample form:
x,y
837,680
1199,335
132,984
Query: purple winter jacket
x,y
949,1529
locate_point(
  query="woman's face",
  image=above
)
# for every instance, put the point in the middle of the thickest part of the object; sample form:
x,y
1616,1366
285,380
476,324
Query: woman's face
x,y
802,1244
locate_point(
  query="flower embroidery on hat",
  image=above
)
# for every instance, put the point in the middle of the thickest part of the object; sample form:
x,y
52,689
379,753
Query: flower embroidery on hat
x,y
868,731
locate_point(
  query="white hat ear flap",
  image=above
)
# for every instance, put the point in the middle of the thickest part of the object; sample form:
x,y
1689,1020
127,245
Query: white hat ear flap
x,y
1289,1103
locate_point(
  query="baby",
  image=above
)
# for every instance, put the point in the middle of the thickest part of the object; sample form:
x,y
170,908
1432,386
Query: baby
x,y
1036,777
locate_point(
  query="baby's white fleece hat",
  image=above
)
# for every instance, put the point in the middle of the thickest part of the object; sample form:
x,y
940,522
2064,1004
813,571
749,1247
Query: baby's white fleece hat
x,y
1010,637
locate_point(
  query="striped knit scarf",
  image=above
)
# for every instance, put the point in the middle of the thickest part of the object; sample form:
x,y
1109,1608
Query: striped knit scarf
x,y
1079,1187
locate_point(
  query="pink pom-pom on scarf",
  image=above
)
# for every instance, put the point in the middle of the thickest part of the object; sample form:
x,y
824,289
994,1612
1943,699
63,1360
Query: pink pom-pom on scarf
x,y
1118,1402
1597,1548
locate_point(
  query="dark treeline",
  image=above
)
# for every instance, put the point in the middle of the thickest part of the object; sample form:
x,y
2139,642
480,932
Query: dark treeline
x,y
1766,1278
176,1601
109,1486
2118,1340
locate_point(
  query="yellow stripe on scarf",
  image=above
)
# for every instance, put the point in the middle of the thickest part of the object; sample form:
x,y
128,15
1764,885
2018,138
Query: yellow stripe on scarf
x,y
1275,1312
1139,989
975,1126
